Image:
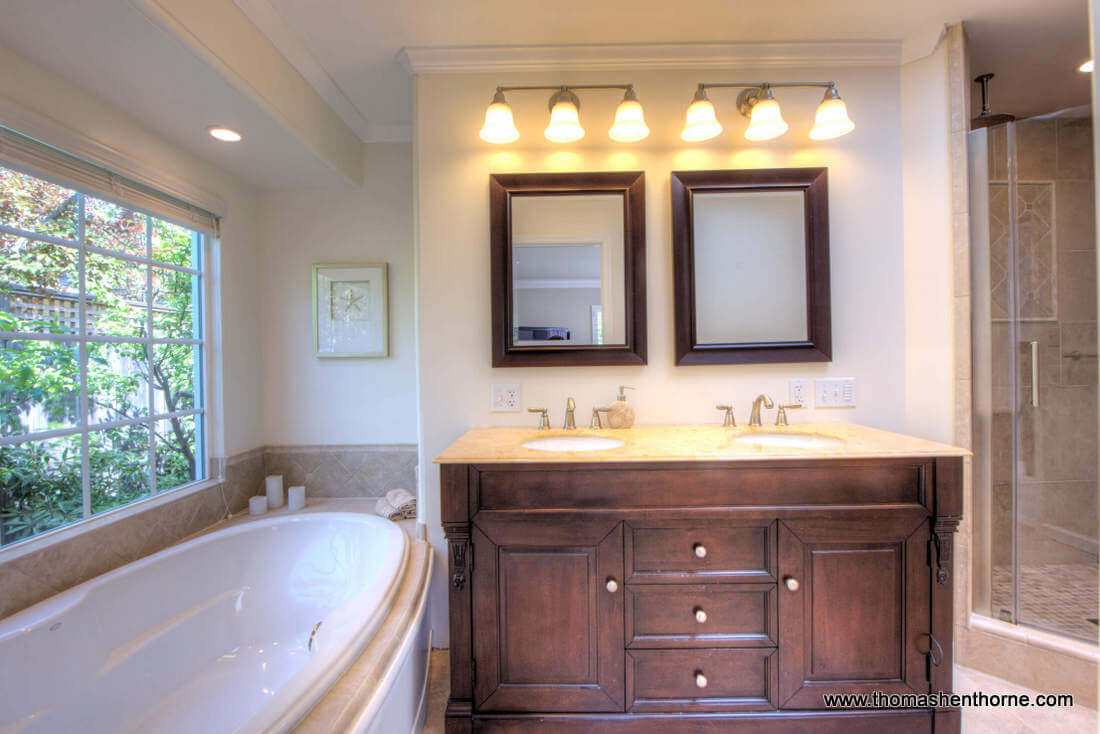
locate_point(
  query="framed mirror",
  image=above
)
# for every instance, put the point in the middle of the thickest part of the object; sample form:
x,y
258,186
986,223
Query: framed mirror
x,y
568,268
750,256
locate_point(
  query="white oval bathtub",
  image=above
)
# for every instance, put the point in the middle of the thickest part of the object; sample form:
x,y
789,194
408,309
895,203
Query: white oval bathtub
x,y
212,635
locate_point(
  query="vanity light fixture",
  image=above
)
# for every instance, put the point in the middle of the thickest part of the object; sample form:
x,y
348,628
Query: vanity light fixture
x,y
757,102
565,124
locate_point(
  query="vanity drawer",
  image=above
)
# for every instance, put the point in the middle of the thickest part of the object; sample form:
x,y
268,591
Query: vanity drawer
x,y
726,615
700,551
701,680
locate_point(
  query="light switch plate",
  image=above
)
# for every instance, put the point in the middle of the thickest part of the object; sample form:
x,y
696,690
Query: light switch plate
x,y
504,397
835,392
798,391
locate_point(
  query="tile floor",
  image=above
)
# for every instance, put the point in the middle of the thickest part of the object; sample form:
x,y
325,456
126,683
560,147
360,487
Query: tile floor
x,y
1077,720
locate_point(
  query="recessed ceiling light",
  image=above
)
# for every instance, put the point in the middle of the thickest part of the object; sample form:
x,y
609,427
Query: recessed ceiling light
x,y
1086,67
225,134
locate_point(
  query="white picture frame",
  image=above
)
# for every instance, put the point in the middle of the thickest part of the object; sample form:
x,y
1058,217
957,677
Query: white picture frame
x,y
350,311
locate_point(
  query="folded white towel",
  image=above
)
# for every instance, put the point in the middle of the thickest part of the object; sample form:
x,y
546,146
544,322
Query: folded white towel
x,y
398,504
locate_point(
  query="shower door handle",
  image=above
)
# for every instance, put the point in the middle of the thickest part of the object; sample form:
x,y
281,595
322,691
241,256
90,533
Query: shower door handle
x,y
1034,374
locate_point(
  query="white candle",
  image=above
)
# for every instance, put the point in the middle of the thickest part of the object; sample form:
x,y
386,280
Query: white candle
x,y
257,505
274,484
296,498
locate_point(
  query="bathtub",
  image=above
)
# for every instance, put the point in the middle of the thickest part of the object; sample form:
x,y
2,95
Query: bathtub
x,y
240,630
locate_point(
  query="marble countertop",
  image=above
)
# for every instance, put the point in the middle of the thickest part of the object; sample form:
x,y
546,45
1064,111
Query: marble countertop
x,y
689,443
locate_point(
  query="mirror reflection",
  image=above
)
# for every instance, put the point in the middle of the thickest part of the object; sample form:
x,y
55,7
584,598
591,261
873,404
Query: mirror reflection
x,y
568,270
750,266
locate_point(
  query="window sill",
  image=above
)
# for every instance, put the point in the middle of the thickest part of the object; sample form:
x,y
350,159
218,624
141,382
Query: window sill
x,y
68,532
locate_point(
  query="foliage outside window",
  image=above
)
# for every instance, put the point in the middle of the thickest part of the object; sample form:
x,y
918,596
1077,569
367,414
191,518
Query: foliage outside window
x,y
100,356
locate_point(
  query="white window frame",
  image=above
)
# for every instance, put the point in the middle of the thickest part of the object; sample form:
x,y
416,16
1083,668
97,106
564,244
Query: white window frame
x,y
205,397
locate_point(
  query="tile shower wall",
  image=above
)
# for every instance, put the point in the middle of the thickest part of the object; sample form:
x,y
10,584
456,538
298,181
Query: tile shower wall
x,y
1056,292
32,577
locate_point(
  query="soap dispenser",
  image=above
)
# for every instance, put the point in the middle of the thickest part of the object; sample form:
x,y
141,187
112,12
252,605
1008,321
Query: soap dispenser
x,y
620,414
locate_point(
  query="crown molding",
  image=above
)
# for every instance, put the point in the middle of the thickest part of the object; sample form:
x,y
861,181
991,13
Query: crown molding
x,y
754,54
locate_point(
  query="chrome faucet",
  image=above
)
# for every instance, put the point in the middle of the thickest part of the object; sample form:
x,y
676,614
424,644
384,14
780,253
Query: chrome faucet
x,y
596,424
570,415
544,417
727,421
754,416
781,416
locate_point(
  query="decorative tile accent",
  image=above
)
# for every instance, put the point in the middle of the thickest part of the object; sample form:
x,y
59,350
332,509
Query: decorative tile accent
x,y
1036,291
344,471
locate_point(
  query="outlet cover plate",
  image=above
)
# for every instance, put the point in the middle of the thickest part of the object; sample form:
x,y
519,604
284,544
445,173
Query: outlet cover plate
x,y
798,391
504,398
835,392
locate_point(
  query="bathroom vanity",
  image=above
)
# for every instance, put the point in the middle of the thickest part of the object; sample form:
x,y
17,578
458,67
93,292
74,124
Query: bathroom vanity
x,y
698,579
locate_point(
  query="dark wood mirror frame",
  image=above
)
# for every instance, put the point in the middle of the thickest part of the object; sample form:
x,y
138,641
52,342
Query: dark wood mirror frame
x,y
813,184
502,187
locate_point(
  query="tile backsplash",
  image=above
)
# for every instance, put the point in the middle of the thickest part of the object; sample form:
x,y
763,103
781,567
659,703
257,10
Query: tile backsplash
x,y
327,471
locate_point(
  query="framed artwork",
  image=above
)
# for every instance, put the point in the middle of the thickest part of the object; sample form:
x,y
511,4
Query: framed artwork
x,y
350,315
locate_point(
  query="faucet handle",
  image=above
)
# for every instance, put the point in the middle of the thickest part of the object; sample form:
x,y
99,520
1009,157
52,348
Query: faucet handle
x,y
727,419
781,416
596,424
544,417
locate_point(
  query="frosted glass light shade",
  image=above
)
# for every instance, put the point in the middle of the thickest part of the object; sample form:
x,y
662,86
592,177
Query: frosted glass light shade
x,y
766,121
629,126
565,123
499,126
701,123
1087,67
832,120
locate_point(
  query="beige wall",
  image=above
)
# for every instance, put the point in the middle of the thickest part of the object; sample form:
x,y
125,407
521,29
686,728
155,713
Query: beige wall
x,y
313,401
868,255
41,104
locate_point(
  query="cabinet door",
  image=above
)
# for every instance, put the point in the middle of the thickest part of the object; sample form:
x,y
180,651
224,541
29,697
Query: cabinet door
x,y
854,606
548,613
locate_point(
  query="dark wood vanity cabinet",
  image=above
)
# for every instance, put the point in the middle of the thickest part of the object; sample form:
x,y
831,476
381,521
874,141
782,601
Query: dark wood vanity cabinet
x,y
699,597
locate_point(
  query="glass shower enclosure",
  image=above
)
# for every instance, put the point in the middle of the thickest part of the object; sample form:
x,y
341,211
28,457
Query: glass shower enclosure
x,y
1033,264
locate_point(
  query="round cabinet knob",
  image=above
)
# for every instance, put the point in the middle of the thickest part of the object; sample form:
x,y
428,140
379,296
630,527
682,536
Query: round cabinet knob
x,y
612,585
700,615
700,550
700,680
791,583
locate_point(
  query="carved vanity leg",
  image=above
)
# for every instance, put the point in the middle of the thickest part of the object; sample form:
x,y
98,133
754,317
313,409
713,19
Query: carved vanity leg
x,y
948,513
456,528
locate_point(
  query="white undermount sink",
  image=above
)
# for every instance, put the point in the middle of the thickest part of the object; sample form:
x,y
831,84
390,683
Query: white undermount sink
x,y
572,443
789,440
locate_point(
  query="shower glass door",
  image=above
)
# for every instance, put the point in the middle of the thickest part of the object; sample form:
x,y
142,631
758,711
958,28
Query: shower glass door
x,y
1035,373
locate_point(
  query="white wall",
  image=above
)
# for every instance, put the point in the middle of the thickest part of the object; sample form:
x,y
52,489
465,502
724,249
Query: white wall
x,y
925,136
311,401
867,253
41,104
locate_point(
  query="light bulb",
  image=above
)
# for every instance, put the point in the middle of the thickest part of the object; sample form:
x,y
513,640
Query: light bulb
x,y
565,122
225,134
629,126
700,123
499,126
766,121
832,119
1087,67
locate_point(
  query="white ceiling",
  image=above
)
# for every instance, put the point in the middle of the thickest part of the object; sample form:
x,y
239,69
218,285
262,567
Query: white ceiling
x,y
1032,45
112,50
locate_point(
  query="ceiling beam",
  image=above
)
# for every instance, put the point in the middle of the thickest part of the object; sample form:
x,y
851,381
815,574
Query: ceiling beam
x,y
220,34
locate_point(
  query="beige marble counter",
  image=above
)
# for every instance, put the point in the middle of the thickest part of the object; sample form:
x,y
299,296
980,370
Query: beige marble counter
x,y
689,443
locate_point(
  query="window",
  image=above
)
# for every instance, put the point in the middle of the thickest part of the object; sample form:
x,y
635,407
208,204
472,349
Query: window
x,y
101,354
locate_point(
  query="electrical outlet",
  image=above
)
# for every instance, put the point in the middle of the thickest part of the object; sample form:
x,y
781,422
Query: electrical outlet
x,y
798,391
835,392
505,398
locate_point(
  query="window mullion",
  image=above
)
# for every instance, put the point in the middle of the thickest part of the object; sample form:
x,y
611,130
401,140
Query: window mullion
x,y
149,349
82,332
